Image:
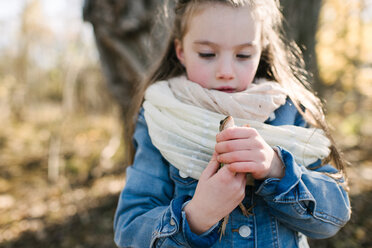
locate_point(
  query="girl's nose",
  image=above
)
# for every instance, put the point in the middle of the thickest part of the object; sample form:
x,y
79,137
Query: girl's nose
x,y
225,71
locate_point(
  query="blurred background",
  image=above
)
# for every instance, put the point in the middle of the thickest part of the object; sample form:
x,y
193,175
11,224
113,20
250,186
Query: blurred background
x,y
65,87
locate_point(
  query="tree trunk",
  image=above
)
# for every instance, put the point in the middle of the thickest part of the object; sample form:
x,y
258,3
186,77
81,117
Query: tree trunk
x,y
302,24
128,38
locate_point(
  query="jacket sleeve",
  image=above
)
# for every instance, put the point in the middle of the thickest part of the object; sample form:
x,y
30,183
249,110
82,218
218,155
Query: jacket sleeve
x,y
306,200
147,215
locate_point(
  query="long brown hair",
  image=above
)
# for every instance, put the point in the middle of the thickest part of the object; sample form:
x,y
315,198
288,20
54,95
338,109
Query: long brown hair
x,y
281,60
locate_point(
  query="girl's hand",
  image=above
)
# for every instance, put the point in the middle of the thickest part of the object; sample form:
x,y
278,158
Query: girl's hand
x,y
218,193
242,149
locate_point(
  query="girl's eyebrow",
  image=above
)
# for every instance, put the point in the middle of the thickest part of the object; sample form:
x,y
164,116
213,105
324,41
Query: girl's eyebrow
x,y
212,44
248,44
205,42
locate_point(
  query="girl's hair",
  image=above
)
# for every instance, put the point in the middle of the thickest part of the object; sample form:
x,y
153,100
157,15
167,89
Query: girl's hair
x,y
281,61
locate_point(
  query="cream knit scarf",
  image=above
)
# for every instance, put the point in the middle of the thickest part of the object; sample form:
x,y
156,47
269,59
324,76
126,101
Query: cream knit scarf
x,y
183,120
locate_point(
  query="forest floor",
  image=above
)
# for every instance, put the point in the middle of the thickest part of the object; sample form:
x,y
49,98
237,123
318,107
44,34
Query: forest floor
x,y
77,209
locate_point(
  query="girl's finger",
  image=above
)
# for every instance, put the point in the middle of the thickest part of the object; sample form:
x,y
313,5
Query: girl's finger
x,y
241,156
236,133
235,145
242,167
238,175
226,177
211,168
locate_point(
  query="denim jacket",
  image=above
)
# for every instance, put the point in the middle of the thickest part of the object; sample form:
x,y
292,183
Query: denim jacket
x,y
303,203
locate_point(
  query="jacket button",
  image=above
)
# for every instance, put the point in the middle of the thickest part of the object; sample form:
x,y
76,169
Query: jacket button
x,y
183,175
172,222
244,231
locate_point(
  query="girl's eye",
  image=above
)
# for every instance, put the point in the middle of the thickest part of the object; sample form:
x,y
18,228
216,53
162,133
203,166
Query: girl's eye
x,y
207,55
243,56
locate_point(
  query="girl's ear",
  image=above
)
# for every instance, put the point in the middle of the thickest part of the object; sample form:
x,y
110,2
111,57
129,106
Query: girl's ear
x,y
179,51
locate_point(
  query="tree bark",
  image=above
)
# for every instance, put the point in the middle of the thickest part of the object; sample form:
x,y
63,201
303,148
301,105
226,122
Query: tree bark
x,y
128,38
301,18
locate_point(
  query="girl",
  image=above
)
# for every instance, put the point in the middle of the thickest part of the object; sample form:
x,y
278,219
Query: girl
x,y
227,57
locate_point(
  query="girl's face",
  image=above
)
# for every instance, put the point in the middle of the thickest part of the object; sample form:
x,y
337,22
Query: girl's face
x,y
221,48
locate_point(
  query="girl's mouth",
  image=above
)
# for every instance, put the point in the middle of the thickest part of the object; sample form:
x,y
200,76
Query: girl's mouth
x,y
226,89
